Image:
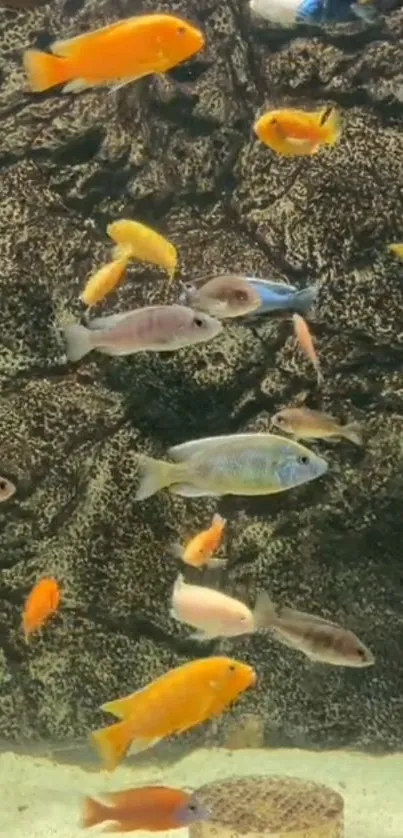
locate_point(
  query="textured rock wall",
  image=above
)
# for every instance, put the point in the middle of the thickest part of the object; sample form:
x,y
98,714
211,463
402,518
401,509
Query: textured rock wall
x,y
179,153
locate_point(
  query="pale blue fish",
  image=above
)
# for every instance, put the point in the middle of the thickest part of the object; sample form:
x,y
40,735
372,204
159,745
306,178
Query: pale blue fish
x,y
280,297
237,464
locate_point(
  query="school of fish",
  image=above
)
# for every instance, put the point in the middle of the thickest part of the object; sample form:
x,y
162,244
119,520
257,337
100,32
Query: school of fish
x,y
245,464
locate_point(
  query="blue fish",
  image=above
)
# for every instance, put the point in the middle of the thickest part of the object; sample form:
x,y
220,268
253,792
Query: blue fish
x,y
279,297
334,11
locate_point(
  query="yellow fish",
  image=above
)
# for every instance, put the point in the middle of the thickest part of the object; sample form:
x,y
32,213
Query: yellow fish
x,y
396,249
145,244
103,281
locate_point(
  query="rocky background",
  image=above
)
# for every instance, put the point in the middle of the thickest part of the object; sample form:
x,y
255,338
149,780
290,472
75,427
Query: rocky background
x,y
178,153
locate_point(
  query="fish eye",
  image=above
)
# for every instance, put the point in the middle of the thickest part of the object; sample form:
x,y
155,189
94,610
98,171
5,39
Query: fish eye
x,y
361,654
192,807
181,30
279,420
303,460
231,667
240,295
199,322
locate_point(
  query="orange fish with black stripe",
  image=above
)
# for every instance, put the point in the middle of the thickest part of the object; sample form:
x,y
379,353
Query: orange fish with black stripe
x,y
295,133
116,54
175,702
149,808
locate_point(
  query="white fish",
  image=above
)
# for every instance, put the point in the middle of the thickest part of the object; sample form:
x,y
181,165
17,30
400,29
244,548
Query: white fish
x,y
211,612
161,328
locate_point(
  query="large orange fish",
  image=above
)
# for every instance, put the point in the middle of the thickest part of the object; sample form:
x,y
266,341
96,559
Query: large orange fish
x,y
180,699
200,549
293,132
41,603
151,809
115,54
143,243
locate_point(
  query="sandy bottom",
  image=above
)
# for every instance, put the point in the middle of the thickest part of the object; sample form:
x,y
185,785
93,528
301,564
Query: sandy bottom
x,y
40,798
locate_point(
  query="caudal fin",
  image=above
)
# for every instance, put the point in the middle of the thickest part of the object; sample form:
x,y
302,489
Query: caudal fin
x,y
330,119
78,341
112,743
93,813
264,612
45,70
303,300
353,432
154,475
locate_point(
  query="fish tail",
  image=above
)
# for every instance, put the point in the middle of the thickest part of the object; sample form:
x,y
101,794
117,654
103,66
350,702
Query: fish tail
x,y
303,300
264,612
353,432
331,121
154,476
122,251
78,341
112,742
45,70
176,550
93,813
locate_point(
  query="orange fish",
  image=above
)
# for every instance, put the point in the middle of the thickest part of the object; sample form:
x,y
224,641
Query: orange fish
x,y
41,603
151,809
293,132
116,54
305,341
175,702
200,549
104,280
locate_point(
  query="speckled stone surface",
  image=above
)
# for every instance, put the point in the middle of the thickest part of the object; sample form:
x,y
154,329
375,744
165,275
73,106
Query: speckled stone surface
x,y
178,153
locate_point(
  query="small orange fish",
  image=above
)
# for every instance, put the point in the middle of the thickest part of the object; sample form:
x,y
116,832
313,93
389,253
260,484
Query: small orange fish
x,y
145,244
116,54
293,132
41,603
104,280
151,809
200,549
305,342
175,702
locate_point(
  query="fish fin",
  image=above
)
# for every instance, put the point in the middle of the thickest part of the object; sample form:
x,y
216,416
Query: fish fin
x,y
353,432
112,742
303,300
122,708
264,612
186,450
154,475
44,70
330,118
107,322
76,85
122,251
201,636
176,550
93,813
68,46
218,519
216,563
189,491
78,341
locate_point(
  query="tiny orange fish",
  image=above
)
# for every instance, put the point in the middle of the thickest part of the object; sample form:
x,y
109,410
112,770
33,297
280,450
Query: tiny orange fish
x,y
305,342
175,702
151,809
116,54
294,132
104,280
200,549
41,603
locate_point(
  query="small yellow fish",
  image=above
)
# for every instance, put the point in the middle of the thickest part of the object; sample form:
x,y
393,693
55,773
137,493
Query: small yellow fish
x,y
101,283
396,249
198,552
145,244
